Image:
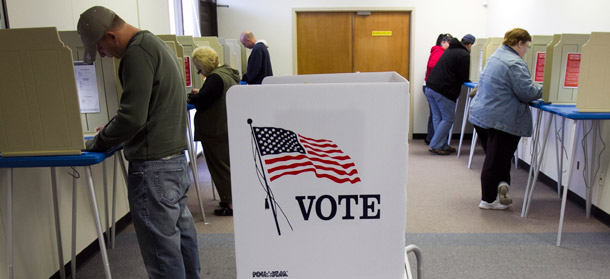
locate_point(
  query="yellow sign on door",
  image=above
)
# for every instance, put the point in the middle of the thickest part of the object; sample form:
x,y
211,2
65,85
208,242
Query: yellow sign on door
x,y
382,33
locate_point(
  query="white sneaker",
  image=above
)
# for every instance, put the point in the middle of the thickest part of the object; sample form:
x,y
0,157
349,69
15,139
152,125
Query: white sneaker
x,y
494,205
503,196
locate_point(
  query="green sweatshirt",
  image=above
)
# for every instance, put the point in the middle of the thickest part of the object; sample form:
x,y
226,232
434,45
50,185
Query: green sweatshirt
x,y
151,120
211,104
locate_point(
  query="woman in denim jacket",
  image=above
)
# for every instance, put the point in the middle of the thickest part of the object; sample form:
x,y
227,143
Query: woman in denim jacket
x,y
501,116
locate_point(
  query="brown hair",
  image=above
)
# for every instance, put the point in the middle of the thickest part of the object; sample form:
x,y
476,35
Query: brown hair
x,y
513,37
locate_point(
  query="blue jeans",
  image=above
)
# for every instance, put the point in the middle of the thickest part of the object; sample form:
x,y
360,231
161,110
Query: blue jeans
x,y
443,114
430,133
163,223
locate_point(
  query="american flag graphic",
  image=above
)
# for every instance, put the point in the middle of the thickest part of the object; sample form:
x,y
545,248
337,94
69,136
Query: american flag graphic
x,y
287,153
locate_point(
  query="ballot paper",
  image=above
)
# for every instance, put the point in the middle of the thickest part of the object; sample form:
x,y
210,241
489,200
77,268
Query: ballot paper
x,y
86,84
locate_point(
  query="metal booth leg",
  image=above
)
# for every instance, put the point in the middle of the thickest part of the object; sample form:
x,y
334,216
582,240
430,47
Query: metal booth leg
x,y
60,254
193,160
98,224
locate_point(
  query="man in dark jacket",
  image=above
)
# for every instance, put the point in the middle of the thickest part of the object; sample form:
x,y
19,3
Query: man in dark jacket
x,y
443,88
259,62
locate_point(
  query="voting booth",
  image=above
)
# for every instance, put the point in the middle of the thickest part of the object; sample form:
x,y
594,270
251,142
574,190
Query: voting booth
x,y
232,53
562,67
318,174
192,79
593,87
213,43
39,111
490,47
535,57
97,84
180,53
476,58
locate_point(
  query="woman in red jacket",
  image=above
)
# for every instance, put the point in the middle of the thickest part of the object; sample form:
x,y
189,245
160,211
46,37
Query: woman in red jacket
x,y
442,43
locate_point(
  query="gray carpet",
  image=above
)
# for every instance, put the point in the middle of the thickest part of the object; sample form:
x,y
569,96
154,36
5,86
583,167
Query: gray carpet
x,y
216,252
457,239
453,255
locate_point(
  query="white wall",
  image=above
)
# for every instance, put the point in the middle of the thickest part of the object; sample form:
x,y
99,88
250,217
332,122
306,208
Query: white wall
x,y
547,17
150,14
273,21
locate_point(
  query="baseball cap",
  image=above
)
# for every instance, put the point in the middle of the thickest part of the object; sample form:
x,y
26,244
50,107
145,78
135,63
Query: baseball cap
x,y
468,39
92,25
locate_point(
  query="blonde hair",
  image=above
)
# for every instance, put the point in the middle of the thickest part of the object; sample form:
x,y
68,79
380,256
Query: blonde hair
x,y
513,37
205,59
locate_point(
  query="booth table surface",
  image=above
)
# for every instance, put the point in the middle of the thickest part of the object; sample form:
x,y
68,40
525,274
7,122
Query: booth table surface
x,y
471,84
84,159
571,112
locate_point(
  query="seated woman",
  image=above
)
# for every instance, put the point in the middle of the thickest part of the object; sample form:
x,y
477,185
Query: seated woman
x,y
211,121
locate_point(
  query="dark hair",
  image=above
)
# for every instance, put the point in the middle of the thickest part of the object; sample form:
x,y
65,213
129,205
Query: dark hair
x,y
513,37
442,38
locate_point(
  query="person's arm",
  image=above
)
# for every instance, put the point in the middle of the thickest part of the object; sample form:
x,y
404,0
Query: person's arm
x,y
137,81
521,82
254,63
464,69
210,92
432,60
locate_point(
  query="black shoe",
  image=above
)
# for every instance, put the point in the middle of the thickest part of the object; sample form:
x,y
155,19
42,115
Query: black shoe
x,y
223,204
225,211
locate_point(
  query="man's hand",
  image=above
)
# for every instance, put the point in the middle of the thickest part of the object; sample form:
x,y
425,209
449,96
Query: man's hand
x,y
98,129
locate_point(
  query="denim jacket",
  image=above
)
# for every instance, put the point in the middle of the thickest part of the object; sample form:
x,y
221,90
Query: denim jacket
x,y
505,89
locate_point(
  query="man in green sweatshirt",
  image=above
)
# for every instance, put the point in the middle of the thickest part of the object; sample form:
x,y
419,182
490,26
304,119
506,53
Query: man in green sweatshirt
x,y
151,126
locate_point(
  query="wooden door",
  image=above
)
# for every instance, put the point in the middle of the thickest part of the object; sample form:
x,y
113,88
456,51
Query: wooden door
x,y
344,42
381,42
324,43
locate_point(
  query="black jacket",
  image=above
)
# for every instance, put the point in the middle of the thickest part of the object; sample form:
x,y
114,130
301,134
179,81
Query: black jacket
x,y
451,71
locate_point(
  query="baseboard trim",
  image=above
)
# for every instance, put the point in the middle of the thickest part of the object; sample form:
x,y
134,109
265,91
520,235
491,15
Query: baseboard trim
x,y
599,214
92,249
467,136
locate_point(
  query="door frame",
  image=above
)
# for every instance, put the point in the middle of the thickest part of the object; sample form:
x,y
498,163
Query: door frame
x,y
411,10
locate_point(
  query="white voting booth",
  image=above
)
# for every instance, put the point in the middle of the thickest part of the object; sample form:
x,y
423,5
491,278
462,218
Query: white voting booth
x,y
319,174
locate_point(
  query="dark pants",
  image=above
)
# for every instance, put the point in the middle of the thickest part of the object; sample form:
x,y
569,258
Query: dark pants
x,y
217,158
499,150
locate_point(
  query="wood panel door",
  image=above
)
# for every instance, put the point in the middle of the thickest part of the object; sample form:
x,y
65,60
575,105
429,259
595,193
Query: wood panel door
x,y
324,42
381,42
344,42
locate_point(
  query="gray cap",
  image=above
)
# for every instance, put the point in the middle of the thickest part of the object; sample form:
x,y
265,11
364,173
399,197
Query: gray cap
x,y
92,25
468,39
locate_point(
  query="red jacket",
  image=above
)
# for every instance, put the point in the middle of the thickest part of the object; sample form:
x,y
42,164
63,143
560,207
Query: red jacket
x,y
435,55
